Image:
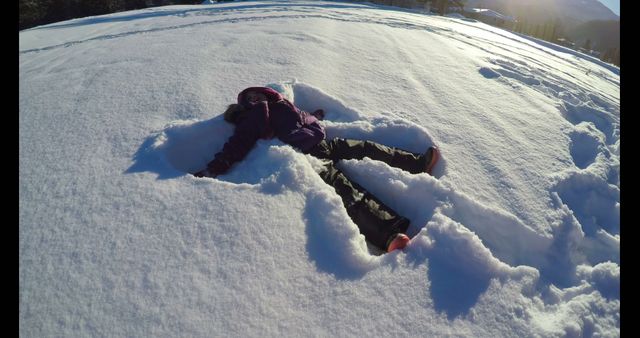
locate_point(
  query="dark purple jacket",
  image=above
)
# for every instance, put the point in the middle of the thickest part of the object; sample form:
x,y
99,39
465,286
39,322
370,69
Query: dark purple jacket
x,y
276,117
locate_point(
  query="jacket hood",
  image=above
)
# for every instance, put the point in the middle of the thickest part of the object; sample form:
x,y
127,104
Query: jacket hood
x,y
271,94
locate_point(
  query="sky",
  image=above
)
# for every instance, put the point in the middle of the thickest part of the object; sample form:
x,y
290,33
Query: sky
x,y
613,5
517,233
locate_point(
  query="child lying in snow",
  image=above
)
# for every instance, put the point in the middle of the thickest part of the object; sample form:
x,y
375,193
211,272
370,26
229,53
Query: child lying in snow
x,y
264,113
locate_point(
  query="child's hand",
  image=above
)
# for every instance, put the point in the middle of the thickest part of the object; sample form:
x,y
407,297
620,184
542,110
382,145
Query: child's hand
x,y
204,173
319,114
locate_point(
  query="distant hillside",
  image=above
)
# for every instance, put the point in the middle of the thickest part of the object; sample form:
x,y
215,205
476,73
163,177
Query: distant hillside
x,y
602,34
541,10
578,21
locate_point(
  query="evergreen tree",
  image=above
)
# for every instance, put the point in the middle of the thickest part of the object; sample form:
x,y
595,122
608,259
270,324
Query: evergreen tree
x,y
519,24
441,6
135,4
554,31
39,12
611,55
58,10
607,55
32,12
545,30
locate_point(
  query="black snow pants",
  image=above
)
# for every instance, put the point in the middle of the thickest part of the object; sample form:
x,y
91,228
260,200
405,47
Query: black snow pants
x,y
376,221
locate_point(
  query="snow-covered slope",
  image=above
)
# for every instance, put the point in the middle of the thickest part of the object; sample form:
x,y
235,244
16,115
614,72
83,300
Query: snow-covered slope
x,y
516,234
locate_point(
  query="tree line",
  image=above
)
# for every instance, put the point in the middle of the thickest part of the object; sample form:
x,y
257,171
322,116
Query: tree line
x,y
41,12
33,13
553,30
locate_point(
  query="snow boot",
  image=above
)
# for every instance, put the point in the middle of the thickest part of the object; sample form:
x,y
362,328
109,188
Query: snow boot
x,y
397,241
432,155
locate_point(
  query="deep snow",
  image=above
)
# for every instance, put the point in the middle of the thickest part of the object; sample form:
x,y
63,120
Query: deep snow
x,y
516,234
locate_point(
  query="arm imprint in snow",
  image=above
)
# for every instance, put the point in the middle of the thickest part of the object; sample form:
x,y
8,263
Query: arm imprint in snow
x,y
251,124
262,112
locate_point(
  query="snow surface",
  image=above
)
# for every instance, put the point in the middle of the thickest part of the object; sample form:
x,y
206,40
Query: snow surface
x,y
516,234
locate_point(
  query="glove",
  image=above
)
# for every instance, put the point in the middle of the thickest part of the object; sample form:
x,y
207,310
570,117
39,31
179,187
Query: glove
x,y
204,173
319,114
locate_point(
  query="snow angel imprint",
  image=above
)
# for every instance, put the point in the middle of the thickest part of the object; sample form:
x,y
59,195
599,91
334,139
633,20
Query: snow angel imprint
x,y
262,112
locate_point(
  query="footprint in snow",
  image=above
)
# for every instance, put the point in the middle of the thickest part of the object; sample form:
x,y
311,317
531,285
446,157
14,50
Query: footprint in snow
x,y
586,143
594,202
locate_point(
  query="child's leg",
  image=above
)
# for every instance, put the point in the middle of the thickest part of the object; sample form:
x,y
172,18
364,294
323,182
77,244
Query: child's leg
x,y
344,149
376,221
